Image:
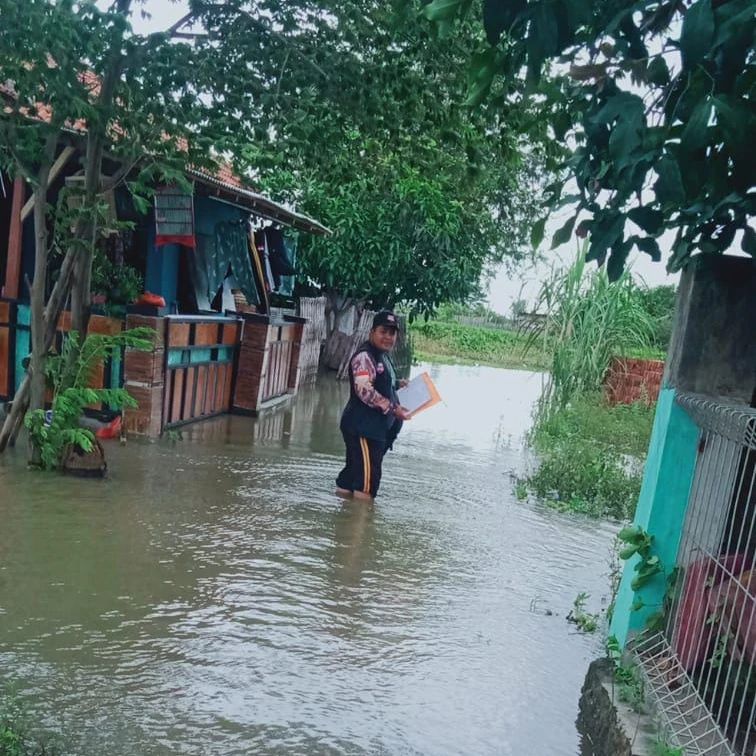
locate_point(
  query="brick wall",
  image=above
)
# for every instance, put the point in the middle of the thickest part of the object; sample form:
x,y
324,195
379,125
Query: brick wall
x,y
144,379
632,380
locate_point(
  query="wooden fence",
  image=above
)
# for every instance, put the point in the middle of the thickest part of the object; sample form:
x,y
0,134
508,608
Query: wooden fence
x,y
313,337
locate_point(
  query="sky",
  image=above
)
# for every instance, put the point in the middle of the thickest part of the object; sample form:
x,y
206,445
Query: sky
x,y
506,285
524,282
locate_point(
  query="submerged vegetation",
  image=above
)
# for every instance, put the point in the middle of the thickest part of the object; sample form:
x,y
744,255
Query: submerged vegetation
x,y
591,457
16,733
591,453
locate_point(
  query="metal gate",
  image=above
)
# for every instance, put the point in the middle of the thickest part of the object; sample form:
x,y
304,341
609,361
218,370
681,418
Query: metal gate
x,y
700,670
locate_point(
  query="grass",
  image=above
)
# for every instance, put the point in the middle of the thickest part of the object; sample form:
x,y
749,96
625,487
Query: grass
x,y
458,344
589,319
591,457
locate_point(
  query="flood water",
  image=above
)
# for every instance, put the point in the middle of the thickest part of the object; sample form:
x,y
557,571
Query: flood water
x,y
213,596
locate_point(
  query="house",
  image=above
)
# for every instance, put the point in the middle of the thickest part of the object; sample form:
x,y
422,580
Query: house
x,y
686,608
208,258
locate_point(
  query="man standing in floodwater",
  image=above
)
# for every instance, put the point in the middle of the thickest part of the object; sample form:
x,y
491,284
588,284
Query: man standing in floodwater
x,y
373,416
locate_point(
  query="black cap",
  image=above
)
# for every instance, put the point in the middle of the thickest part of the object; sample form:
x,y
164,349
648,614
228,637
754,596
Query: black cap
x,y
385,318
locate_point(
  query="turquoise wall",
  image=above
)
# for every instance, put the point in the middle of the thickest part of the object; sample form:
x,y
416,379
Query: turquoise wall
x,y
661,510
23,341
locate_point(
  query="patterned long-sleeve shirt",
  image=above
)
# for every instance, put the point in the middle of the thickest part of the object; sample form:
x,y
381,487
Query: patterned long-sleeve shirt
x,y
364,373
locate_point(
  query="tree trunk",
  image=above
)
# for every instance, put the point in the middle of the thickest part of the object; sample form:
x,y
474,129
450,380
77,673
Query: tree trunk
x,y
37,301
44,320
55,303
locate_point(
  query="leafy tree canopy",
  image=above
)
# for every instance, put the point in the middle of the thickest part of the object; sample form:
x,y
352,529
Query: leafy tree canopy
x,y
350,110
357,117
654,98
74,70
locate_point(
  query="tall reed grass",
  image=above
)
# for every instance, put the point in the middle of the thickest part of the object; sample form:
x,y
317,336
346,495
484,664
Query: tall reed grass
x,y
588,321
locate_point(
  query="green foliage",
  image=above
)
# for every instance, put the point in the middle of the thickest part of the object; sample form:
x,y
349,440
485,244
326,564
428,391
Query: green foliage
x,y
582,478
662,748
122,284
657,105
630,684
589,320
71,394
590,455
355,120
452,312
659,304
638,541
625,428
16,738
490,346
586,621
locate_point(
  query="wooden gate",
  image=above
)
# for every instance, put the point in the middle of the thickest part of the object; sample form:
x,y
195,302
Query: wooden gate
x,y
199,370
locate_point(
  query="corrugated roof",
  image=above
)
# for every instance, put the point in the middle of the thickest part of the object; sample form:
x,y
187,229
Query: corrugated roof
x,y
256,203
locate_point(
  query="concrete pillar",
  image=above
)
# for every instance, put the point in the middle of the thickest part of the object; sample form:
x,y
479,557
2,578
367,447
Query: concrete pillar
x,y
713,352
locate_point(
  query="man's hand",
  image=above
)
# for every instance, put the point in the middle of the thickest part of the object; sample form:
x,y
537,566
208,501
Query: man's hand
x,y
403,383
402,413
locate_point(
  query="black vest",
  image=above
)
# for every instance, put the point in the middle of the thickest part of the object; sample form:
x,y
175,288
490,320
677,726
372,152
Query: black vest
x,y
358,418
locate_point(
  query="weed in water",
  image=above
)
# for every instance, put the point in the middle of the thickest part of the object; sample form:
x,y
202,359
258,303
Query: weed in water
x,y
16,738
591,457
521,490
662,748
586,621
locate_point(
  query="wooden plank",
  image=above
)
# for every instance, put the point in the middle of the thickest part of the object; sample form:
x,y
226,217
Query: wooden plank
x,y
178,385
230,334
199,400
178,334
5,358
215,401
206,334
210,393
168,395
15,235
227,398
4,313
187,407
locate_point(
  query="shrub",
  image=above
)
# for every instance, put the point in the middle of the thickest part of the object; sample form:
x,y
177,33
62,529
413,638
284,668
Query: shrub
x,y
70,374
590,319
590,455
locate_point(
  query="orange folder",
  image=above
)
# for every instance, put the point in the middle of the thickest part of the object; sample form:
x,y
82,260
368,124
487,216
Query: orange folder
x,y
419,394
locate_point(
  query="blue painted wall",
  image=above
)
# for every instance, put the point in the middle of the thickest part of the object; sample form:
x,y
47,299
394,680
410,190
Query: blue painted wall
x,y
663,500
23,341
208,212
161,275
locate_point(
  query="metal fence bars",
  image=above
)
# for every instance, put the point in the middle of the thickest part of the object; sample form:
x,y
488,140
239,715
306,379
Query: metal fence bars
x,y
700,670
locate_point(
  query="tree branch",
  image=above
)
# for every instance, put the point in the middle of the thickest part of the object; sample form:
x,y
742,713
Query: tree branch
x,y
261,26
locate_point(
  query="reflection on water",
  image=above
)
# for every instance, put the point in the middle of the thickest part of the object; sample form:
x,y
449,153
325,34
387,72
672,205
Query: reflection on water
x,y
214,596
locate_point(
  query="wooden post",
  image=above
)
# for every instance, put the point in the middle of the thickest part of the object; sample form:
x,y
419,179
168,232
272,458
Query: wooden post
x,y
13,265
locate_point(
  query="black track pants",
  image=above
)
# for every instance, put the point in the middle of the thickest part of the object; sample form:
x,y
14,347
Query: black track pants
x,y
364,460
